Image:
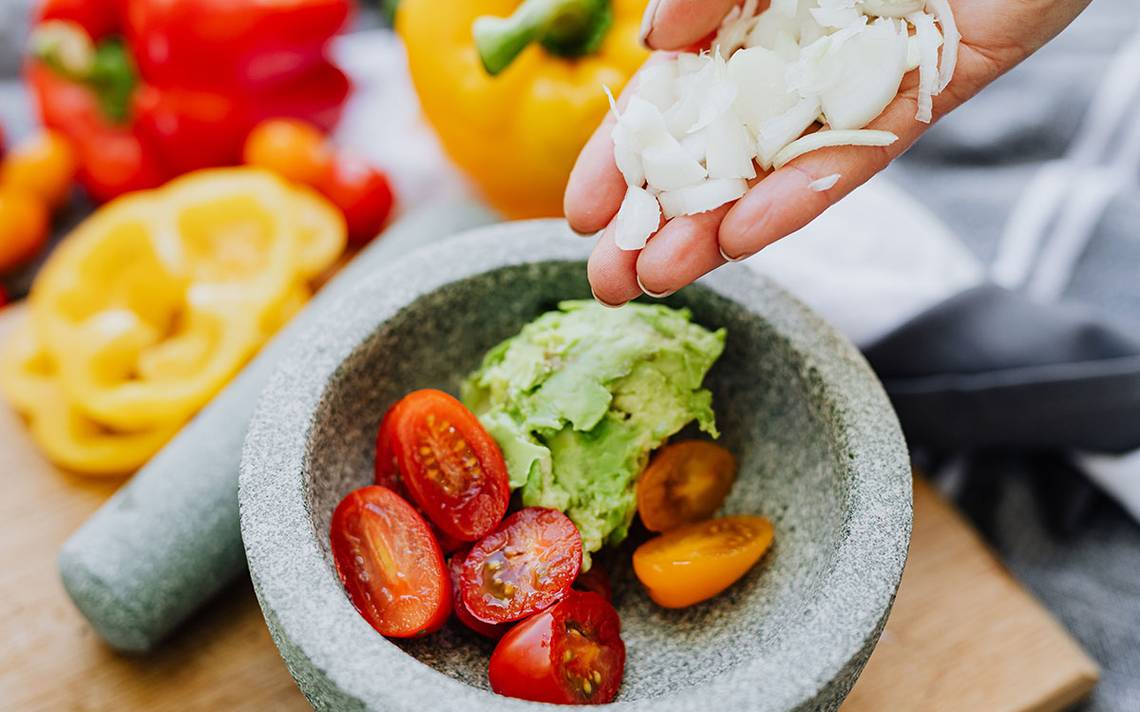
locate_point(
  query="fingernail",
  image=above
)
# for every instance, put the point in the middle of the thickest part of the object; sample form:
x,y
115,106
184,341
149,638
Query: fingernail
x,y
647,22
734,259
655,295
579,233
604,303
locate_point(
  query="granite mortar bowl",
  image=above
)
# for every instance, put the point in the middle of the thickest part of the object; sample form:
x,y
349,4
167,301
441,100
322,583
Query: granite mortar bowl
x,y
819,449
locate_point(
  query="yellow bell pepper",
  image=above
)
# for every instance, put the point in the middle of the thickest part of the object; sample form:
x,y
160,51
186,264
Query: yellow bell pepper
x,y
152,304
517,133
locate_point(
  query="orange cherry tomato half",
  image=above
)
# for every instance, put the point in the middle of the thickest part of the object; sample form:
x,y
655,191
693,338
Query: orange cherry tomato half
x,y
696,562
571,653
296,150
450,465
487,630
596,580
362,193
24,227
44,166
524,566
390,564
685,482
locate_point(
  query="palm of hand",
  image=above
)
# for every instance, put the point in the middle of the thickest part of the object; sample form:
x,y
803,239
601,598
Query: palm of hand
x,y
996,35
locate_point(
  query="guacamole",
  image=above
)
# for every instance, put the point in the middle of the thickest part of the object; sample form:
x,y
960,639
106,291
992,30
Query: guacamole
x,y
581,396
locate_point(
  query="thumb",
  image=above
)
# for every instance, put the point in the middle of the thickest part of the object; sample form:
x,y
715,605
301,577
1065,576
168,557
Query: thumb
x,y
676,24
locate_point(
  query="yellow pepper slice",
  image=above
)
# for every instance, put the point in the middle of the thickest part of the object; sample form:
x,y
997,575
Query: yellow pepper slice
x,y
517,134
148,309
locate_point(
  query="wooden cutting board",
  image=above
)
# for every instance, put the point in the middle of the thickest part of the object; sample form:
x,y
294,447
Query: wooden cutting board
x,y
963,634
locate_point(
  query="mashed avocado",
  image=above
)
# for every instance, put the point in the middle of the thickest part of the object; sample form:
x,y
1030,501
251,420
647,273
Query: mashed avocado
x,y
581,396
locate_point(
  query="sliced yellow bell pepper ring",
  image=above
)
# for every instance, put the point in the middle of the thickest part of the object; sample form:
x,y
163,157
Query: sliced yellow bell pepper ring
x,y
148,309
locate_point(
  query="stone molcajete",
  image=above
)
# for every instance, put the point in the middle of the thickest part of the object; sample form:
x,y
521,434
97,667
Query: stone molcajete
x,y
819,448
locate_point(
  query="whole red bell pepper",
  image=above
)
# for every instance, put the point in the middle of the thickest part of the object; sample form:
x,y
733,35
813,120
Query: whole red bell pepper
x,y
150,89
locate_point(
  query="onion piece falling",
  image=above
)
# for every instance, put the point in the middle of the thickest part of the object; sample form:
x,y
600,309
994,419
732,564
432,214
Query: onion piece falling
x,y
928,41
825,139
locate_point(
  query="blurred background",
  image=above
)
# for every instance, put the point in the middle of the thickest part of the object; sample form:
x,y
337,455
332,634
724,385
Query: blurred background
x,y
990,277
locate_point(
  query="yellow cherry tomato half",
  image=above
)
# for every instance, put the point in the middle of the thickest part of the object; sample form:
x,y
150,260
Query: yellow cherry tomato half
x,y
43,166
685,482
295,150
696,562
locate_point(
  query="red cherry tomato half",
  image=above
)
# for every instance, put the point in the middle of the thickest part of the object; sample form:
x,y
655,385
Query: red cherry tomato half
x,y
362,193
455,568
596,580
390,564
571,653
452,467
524,566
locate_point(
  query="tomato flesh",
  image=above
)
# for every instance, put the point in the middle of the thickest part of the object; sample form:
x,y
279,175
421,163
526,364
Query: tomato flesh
x,y
487,630
685,482
451,466
524,566
390,564
571,653
697,561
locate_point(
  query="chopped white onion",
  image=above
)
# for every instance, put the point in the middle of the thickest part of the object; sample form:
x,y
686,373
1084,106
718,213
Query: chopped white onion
x,y
787,8
825,139
669,167
951,36
698,124
891,8
825,183
763,93
730,149
701,198
627,156
927,35
735,28
779,131
657,84
870,68
637,220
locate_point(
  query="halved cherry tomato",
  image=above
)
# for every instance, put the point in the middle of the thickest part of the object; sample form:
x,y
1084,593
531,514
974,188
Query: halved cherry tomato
x,y
571,653
390,564
698,561
455,568
452,467
524,566
685,482
388,475
596,580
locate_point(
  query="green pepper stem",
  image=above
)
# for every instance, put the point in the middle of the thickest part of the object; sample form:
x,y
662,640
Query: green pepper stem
x,y
105,68
566,28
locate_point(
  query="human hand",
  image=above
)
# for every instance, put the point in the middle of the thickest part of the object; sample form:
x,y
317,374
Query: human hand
x,y
996,35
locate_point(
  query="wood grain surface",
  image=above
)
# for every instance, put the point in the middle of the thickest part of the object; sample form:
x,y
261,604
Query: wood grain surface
x,y
963,634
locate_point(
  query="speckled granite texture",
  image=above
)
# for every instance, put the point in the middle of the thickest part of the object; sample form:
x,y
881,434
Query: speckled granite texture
x,y
820,453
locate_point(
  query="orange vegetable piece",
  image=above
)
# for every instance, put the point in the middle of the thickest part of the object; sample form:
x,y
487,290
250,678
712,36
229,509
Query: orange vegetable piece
x,y
295,150
698,561
43,166
685,482
24,223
